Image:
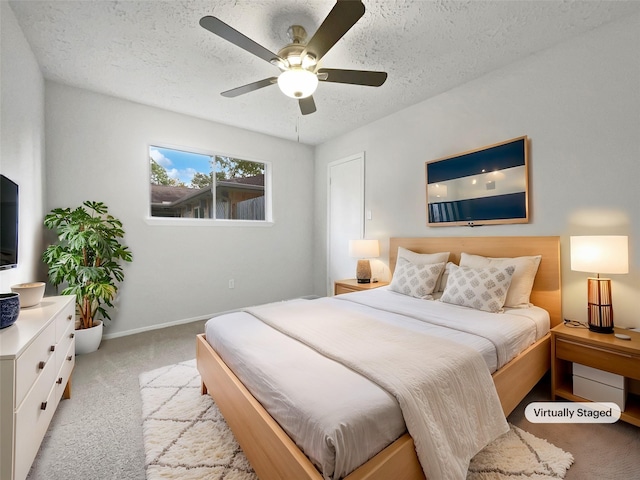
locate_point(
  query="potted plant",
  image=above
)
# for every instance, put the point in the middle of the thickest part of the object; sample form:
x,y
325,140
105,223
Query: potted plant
x,y
88,260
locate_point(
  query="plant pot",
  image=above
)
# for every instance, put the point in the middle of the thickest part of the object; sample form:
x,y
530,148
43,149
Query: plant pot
x,y
88,339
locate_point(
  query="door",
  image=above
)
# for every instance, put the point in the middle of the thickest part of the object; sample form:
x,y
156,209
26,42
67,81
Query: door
x,y
345,216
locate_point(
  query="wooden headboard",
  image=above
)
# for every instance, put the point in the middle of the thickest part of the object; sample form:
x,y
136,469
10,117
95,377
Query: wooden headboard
x,y
547,290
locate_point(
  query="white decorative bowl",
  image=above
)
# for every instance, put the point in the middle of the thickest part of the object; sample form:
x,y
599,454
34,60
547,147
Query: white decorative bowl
x,y
30,293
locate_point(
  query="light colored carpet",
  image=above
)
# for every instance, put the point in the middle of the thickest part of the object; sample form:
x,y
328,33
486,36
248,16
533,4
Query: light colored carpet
x,y
186,438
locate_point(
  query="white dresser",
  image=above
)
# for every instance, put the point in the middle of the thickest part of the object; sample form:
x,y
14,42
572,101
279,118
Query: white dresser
x,y
37,355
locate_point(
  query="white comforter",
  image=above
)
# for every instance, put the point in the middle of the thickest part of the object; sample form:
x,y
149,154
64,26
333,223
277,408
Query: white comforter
x,y
338,417
504,335
446,393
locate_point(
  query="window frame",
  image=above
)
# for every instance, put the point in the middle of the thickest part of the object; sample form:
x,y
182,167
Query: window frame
x,y
189,221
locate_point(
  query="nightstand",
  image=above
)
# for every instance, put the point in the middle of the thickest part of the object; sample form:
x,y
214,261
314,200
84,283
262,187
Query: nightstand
x,y
601,351
352,285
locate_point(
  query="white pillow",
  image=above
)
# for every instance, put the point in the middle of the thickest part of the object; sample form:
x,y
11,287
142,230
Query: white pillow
x,y
444,277
523,276
425,259
416,280
479,288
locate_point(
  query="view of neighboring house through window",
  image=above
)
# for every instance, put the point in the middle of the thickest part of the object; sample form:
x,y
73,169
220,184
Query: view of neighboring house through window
x,y
195,185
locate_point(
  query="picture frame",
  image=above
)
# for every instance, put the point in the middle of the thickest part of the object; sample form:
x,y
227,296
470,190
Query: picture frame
x,y
484,186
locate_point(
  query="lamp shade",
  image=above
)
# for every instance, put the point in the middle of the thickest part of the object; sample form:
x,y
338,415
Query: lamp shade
x,y
297,82
600,254
364,248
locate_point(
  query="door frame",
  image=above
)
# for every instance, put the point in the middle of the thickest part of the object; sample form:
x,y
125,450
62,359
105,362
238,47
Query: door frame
x,y
360,157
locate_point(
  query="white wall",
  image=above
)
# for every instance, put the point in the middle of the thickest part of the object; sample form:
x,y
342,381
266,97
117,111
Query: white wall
x,y
97,149
578,102
22,144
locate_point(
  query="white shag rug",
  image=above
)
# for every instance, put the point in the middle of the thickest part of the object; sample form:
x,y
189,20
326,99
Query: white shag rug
x,y
186,438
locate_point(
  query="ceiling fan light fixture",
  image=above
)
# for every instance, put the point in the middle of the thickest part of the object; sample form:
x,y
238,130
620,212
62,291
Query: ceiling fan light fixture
x,y
309,61
294,60
300,60
280,63
298,83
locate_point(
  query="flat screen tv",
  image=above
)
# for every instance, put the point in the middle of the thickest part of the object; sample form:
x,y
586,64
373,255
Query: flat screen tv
x,y
485,186
8,223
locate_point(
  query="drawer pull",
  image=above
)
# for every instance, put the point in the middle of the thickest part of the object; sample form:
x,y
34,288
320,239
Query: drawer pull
x,y
53,348
43,406
72,335
59,381
41,365
69,317
599,349
69,358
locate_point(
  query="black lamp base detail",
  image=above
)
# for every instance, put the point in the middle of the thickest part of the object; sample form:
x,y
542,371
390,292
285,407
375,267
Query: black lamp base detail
x,y
364,280
598,329
599,305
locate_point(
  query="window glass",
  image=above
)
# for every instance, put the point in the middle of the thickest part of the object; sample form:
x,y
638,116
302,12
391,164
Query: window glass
x,y
195,185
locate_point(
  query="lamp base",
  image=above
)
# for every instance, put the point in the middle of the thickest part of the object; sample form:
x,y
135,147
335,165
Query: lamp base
x,y
598,329
599,305
363,271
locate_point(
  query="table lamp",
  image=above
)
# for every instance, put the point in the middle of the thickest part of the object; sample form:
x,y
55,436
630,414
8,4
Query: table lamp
x,y
600,254
363,250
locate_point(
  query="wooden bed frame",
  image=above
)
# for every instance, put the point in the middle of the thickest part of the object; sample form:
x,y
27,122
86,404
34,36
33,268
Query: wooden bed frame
x,y
274,456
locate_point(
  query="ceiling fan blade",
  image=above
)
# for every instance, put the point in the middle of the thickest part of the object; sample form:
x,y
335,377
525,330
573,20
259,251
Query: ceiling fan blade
x,y
234,92
307,105
355,77
218,27
341,18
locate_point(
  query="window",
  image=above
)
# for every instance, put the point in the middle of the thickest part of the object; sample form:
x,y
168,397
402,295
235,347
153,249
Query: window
x,y
207,186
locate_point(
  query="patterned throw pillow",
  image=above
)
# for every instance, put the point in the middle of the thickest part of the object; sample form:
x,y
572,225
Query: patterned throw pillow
x,y
479,288
424,259
415,280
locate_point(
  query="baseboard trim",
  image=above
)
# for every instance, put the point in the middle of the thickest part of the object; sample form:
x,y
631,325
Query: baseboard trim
x,y
126,333
165,325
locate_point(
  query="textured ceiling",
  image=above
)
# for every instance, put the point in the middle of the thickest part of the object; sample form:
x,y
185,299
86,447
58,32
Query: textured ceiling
x,y
154,52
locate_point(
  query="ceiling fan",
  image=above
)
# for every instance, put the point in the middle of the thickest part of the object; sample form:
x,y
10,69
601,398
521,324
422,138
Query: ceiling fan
x,y
298,61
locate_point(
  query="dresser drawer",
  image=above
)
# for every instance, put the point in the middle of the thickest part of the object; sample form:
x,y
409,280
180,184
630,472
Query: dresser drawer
x,y
64,373
67,338
599,357
64,320
32,420
31,364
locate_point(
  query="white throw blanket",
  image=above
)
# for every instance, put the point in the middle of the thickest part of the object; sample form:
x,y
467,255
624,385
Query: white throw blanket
x,y
445,391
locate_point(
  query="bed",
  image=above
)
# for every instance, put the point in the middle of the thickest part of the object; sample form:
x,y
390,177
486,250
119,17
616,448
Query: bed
x,y
274,455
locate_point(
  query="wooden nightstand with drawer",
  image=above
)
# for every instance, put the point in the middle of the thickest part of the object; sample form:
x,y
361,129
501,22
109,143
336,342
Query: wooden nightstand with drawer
x,y
603,352
352,285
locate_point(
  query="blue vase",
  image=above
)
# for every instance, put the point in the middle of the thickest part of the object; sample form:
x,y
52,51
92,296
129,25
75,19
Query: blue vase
x,y
9,309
